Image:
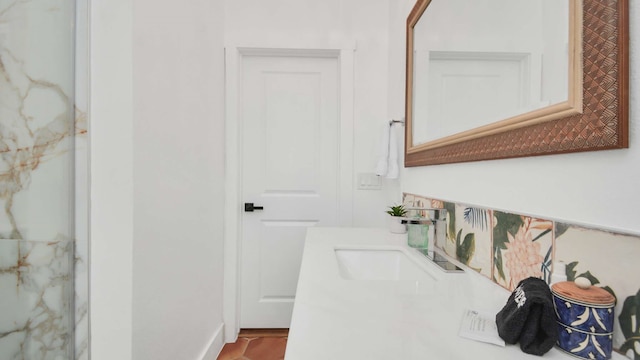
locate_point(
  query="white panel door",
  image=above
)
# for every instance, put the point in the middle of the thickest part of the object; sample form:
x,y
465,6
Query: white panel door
x,y
289,113
483,80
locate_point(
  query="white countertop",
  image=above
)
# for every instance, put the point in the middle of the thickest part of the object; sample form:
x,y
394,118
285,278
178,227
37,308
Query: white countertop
x,y
336,319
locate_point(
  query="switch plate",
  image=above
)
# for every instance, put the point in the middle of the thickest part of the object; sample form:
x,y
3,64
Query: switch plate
x,y
369,181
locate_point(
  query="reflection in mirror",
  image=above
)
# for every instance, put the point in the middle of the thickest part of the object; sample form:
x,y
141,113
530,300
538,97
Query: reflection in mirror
x,y
494,79
476,62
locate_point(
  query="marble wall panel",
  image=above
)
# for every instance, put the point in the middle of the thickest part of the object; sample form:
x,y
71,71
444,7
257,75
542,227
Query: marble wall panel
x,y
37,119
43,179
81,188
36,320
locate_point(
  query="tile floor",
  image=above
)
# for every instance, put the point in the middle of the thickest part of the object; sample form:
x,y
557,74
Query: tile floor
x,y
257,344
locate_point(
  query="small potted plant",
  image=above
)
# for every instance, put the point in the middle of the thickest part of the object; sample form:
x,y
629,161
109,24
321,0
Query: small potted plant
x,y
397,213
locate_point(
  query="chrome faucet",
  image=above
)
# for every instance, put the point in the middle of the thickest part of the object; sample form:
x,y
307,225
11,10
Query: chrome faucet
x,y
437,217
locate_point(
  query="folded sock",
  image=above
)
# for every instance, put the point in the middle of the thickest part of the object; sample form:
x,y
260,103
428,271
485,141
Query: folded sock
x,y
528,317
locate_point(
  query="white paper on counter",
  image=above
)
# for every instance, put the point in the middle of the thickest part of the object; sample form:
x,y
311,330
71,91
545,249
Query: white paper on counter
x,y
480,327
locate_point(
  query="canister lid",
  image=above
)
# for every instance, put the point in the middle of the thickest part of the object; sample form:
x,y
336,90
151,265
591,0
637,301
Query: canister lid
x,y
582,291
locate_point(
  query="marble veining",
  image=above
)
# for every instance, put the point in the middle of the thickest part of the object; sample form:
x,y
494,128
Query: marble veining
x,y
24,143
36,318
43,176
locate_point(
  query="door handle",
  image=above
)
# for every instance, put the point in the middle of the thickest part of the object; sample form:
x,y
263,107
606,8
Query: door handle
x,y
249,207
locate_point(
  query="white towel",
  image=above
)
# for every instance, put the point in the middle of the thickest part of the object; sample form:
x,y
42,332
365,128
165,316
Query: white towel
x,y
388,160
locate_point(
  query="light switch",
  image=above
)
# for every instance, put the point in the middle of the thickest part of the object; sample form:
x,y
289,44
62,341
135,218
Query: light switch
x,y
369,181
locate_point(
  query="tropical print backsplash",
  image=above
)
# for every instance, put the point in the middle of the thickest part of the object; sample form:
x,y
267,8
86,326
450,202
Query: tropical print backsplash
x,y
508,247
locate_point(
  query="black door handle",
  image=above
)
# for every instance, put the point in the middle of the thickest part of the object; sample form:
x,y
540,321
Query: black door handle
x,y
249,207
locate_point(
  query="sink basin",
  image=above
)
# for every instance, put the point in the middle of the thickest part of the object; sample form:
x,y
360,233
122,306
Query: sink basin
x,y
379,264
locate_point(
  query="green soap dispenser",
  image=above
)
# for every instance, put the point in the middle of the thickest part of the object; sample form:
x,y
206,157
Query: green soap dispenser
x,y
418,232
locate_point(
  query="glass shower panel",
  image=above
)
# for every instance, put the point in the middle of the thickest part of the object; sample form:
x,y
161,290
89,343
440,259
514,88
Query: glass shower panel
x,y
37,113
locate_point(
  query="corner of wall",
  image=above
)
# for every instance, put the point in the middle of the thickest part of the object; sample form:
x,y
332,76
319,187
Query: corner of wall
x,y
214,346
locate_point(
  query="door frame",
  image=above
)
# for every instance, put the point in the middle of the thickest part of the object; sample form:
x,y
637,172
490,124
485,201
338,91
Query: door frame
x,y
233,155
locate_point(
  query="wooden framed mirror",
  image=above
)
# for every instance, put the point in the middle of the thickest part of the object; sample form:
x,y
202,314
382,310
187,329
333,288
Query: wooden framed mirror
x,y
571,98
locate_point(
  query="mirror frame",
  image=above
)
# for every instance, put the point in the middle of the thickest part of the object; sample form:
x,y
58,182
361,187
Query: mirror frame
x,y
595,116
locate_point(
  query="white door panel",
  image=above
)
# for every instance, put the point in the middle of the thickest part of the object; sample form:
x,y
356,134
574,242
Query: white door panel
x,y
480,78
289,118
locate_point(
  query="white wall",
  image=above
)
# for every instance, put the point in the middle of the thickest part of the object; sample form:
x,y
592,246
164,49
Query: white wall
x,y
178,158
111,150
333,24
596,188
157,176
159,161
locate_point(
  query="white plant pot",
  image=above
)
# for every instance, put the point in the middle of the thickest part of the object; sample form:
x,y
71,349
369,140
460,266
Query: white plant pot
x,y
396,226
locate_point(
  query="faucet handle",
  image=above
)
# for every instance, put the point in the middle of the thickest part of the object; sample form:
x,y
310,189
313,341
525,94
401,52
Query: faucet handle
x,y
439,214
435,214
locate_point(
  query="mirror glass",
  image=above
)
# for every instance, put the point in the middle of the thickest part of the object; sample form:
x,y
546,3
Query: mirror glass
x,y
478,62
496,79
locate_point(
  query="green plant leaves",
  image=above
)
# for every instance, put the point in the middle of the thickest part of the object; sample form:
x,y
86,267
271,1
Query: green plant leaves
x,y
506,223
466,248
546,266
572,274
571,271
397,210
498,260
451,215
631,328
561,228
541,235
594,280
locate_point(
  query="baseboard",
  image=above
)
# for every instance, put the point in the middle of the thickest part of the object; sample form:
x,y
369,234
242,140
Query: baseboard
x,y
215,345
253,333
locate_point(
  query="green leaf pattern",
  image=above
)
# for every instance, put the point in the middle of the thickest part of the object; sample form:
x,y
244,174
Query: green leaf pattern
x,y
629,320
462,245
546,266
506,225
515,246
466,248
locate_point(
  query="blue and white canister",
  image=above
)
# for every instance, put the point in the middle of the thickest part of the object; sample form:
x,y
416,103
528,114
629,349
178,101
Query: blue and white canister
x,y
585,316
